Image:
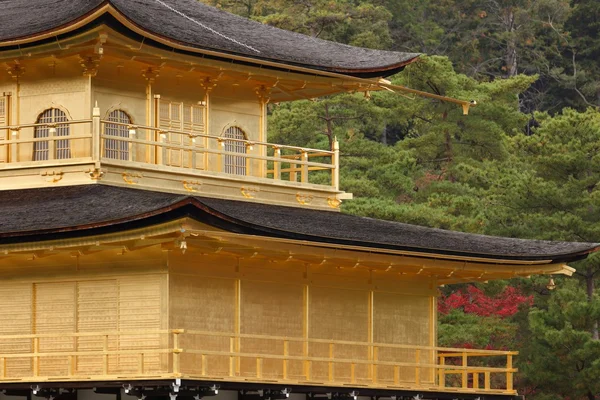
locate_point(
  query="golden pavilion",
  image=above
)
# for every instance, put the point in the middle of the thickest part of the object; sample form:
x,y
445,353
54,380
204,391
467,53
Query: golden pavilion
x,y
155,245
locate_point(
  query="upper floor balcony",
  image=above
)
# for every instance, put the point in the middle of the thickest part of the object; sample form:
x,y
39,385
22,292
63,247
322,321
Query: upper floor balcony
x,y
57,150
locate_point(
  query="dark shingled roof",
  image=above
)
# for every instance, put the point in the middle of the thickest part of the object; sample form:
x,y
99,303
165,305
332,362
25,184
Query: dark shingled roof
x,y
194,24
50,213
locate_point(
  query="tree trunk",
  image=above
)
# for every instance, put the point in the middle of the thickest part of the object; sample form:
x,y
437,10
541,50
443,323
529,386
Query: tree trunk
x,y
510,58
328,121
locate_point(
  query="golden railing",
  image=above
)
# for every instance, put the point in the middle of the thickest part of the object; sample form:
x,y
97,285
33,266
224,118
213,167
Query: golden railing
x,y
257,358
140,146
191,151
17,147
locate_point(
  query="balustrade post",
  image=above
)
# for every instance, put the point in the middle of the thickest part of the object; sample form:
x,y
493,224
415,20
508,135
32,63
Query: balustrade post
x,y
465,379
51,142
418,368
231,357
105,355
486,375
286,353
36,358
509,373
161,151
203,365
330,362
71,365
259,367
336,165
475,380
177,352
141,364
14,135
221,146
375,359
442,372
96,133
276,163
304,168
2,367
293,170
131,146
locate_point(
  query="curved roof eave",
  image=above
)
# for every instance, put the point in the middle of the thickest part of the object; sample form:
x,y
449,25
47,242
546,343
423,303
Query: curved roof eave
x,y
96,9
75,212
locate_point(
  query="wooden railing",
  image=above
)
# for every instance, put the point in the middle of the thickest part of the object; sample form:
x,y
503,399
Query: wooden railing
x,y
258,358
142,147
19,146
197,151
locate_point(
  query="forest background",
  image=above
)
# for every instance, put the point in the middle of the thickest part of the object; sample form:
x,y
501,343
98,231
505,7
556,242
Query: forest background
x,y
525,162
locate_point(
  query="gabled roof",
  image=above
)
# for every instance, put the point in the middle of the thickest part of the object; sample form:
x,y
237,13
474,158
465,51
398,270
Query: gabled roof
x,y
198,26
75,211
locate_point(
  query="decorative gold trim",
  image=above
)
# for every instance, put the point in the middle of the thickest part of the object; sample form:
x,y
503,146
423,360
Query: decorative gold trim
x,y
192,186
304,199
334,202
95,174
52,176
249,192
131,178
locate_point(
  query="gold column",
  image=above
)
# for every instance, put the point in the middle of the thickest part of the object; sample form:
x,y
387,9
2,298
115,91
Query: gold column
x,y
208,84
16,71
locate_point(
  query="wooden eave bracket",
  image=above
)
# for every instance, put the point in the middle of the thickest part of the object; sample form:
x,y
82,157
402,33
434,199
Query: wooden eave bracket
x,y
387,85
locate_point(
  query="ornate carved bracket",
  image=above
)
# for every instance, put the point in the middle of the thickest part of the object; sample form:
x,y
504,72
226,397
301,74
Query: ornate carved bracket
x,y
16,70
151,73
90,64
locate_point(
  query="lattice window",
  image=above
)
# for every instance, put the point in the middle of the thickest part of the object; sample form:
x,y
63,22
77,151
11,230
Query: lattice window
x,y
186,118
117,149
235,164
182,117
62,148
193,118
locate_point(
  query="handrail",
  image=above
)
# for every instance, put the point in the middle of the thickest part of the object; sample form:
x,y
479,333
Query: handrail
x,y
218,138
48,124
346,342
273,161
426,371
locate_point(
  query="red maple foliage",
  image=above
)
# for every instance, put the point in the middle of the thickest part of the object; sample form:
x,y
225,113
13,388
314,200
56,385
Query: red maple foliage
x,y
474,301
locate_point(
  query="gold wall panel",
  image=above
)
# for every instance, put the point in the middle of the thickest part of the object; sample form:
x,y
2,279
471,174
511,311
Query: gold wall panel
x,y
204,304
272,309
55,312
404,320
104,306
339,314
16,318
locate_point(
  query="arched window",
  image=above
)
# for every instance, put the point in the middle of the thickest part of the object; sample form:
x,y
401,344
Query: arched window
x,y
62,147
235,164
117,149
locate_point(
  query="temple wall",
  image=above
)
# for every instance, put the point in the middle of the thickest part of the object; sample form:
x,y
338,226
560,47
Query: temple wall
x,y
213,298
44,85
94,298
229,105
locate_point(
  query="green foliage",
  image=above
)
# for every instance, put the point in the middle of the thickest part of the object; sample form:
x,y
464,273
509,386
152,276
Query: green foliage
x,y
562,359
